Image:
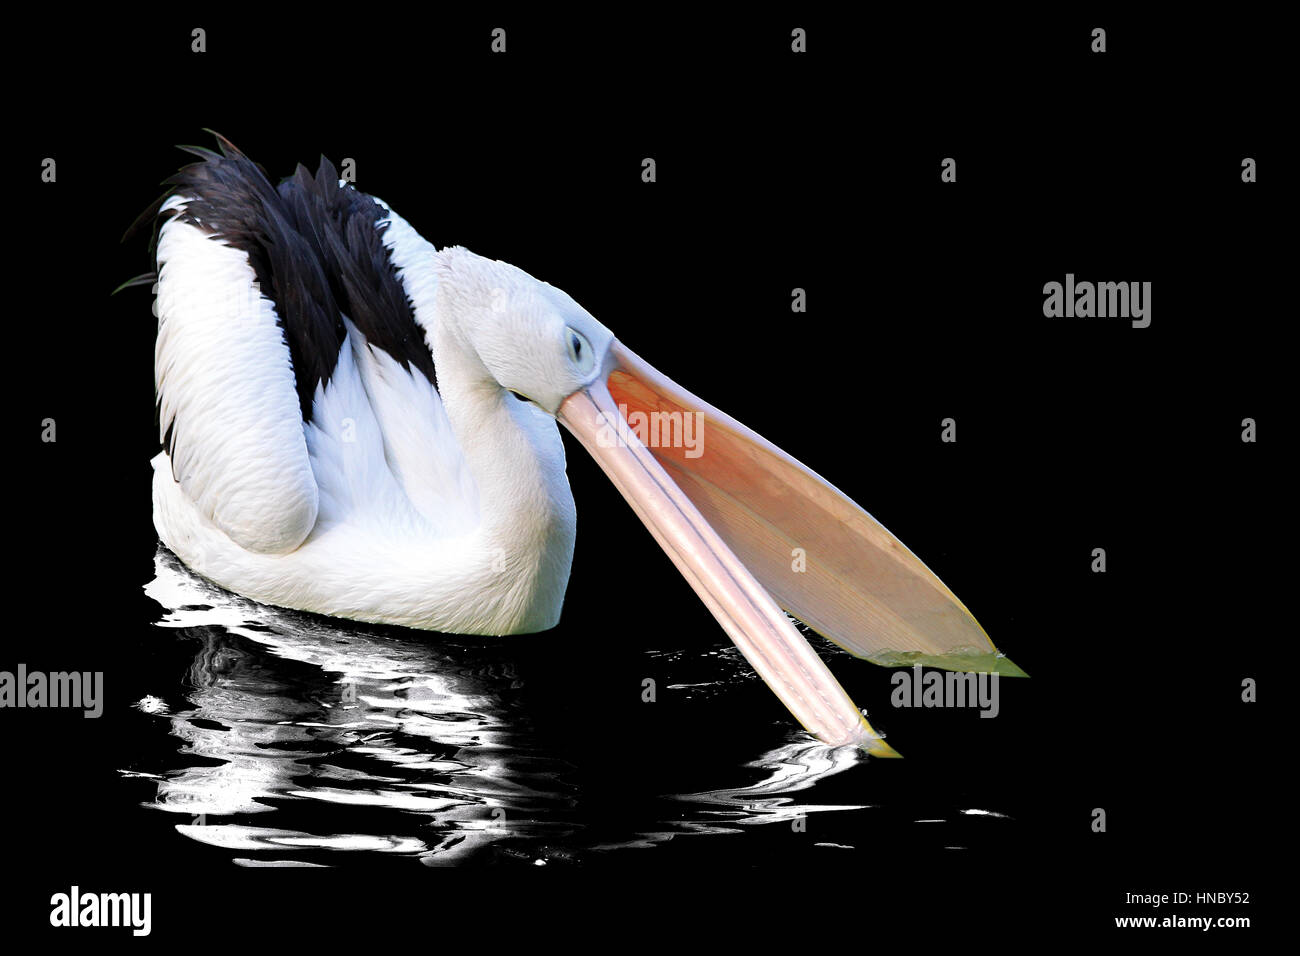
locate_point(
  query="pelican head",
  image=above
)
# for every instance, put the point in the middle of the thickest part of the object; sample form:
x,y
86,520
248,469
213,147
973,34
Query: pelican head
x,y
754,532
531,338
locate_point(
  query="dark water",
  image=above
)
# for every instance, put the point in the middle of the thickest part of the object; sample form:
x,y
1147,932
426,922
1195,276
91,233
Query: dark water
x,y
297,740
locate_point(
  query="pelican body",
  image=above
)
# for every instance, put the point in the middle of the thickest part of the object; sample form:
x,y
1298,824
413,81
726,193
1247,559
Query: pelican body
x,y
357,424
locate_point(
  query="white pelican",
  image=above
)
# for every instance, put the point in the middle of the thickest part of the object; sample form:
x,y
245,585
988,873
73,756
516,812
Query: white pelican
x,y
360,425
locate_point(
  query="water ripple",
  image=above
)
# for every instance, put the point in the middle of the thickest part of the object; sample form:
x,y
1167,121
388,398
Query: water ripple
x,y
355,741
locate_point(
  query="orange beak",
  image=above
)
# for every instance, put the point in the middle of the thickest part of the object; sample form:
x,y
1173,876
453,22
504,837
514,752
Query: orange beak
x,y
754,531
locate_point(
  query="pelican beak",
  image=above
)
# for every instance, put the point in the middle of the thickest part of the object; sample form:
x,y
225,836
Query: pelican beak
x,y
754,531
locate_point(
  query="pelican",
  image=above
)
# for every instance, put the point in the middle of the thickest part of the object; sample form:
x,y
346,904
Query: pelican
x,y
357,424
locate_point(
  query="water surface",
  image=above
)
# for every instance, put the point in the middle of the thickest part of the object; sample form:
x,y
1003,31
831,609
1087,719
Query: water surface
x,y
299,740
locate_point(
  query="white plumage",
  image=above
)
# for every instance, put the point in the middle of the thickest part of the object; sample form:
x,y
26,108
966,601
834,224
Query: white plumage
x,y
310,463
376,509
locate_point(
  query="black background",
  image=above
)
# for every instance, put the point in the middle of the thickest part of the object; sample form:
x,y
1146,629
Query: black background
x,y
775,170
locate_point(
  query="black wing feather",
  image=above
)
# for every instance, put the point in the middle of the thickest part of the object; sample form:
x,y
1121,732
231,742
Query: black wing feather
x,y
317,255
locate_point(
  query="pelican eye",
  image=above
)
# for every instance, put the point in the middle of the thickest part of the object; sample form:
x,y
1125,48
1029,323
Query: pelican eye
x,y
580,352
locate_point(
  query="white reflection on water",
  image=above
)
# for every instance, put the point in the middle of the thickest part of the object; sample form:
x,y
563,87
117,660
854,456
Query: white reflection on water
x,y
367,741
796,765
793,767
352,718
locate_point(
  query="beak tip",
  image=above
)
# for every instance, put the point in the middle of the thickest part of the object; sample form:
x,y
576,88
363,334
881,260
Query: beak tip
x,y
1004,666
873,743
878,748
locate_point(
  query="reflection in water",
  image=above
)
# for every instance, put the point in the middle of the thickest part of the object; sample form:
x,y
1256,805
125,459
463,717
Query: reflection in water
x,y
792,767
291,707
795,766
304,736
